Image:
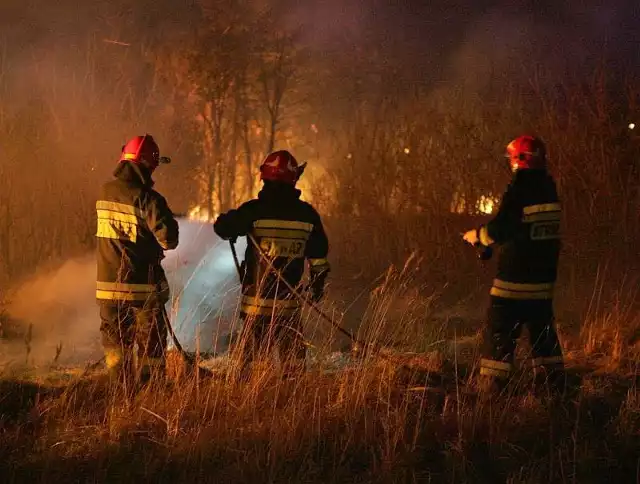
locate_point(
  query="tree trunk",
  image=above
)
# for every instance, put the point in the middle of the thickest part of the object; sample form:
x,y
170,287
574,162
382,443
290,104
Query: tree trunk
x,y
233,154
247,151
211,187
272,133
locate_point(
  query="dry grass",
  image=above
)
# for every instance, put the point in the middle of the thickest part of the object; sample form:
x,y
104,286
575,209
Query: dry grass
x,y
373,421
363,425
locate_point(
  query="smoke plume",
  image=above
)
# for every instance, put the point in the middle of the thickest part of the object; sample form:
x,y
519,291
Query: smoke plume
x,y
59,317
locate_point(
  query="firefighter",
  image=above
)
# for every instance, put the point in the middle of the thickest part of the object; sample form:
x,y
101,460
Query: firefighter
x,y
135,227
527,227
288,231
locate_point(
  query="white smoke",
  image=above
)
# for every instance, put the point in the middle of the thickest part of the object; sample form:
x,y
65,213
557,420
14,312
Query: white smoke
x,y
60,308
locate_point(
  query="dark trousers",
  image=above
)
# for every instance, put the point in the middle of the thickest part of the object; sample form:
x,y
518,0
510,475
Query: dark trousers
x,y
506,318
261,334
125,324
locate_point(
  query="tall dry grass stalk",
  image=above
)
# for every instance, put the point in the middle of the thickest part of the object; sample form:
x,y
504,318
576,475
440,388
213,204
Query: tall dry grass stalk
x,y
365,423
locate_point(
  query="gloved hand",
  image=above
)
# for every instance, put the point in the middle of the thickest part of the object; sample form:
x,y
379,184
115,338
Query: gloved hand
x,y
471,237
316,286
317,293
485,252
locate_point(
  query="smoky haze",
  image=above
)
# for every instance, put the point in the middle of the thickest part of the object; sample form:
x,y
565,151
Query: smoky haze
x,y
79,78
60,307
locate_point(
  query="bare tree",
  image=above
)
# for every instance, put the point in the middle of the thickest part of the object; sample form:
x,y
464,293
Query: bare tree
x,y
277,66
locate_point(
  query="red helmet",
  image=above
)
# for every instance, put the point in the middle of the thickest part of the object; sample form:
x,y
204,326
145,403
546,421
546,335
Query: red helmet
x,y
526,152
281,166
143,150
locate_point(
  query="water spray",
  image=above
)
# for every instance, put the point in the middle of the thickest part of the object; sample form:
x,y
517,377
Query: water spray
x,y
357,345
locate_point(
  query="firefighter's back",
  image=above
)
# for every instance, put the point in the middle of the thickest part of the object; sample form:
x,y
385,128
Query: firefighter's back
x,y
284,228
532,255
283,232
128,254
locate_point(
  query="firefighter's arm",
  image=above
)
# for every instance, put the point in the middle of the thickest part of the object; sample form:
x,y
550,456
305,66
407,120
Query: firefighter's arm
x,y
504,225
162,222
235,223
316,253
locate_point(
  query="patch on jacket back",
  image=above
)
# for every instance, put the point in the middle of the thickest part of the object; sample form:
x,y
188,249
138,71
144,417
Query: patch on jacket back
x,y
282,238
544,219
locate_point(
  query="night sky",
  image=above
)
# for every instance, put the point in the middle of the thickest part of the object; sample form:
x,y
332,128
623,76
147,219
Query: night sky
x,y
425,35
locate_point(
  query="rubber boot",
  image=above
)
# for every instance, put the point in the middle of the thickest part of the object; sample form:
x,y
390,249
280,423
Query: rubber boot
x,y
152,370
120,369
490,386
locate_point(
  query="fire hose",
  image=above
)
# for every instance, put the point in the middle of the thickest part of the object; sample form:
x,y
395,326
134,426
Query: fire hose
x,y
484,253
355,341
289,286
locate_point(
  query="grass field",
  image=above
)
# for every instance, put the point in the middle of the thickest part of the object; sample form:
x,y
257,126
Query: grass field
x,y
413,417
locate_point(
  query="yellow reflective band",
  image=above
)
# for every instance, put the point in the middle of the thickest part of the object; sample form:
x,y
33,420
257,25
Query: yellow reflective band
x,y
266,307
125,287
118,207
517,286
283,234
319,262
483,235
496,365
117,224
542,217
506,294
543,207
152,362
112,357
117,230
269,303
129,156
283,224
117,216
492,372
122,296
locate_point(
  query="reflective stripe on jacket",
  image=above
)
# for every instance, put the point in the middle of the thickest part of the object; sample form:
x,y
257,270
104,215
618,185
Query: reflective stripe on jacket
x,y
527,229
289,232
134,228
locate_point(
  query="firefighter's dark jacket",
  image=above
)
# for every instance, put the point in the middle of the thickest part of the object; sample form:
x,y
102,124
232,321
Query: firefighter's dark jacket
x,y
135,227
288,231
527,227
